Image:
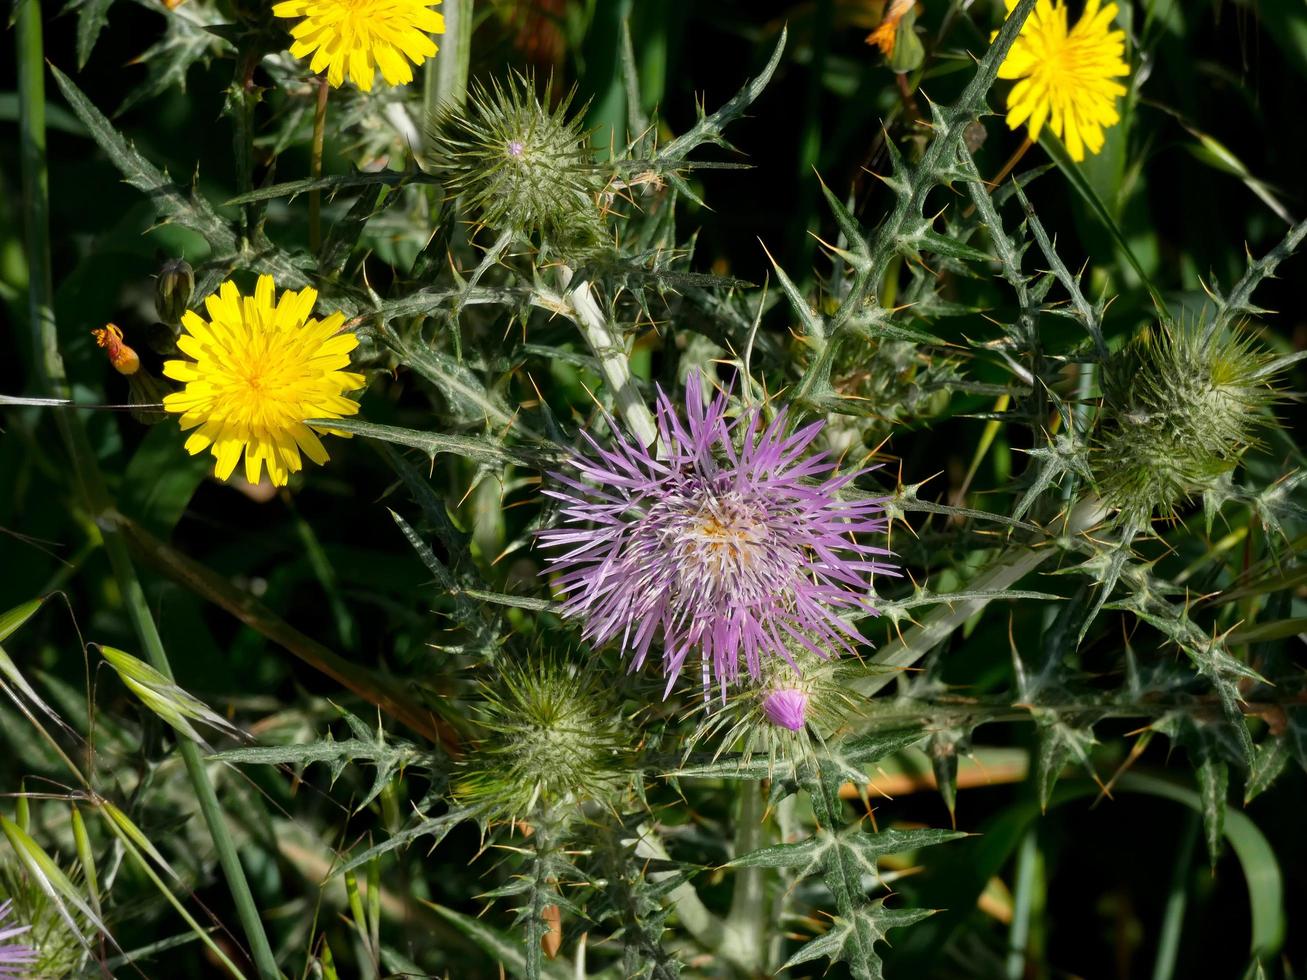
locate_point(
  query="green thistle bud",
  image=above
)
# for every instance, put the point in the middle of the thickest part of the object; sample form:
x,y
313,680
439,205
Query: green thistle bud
x,y
552,739
1179,411
172,290
783,712
520,166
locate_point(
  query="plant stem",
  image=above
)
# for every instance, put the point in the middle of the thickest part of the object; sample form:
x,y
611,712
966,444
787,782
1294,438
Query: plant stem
x,y
1012,161
50,368
936,626
610,350
315,166
1023,904
746,922
445,76
1168,943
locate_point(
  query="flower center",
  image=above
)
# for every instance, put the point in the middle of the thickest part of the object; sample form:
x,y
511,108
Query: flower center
x,y
723,548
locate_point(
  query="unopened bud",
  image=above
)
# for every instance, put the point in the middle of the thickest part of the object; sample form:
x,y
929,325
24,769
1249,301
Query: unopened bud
x,y
787,708
173,289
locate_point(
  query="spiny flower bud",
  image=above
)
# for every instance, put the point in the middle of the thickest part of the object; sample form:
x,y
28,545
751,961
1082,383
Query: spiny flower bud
x,y
35,938
792,704
552,739
1180,408
172,290
786,708
518,165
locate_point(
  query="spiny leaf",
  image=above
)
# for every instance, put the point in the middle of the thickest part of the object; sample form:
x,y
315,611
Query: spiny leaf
x,y
369,180
187,39
435,827
434,443
388,758
92,15
851,940
170,201
709,128
506,950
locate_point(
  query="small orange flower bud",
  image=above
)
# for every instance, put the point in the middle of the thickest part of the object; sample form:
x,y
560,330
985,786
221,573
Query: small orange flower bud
x,y
886,33
122,357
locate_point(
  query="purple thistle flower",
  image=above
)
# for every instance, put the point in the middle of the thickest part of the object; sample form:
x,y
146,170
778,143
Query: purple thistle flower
x,y
725,539
786,708
16,958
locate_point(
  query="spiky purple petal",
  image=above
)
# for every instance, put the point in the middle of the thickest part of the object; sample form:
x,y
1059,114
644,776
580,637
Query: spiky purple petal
x,y
16,958
720,542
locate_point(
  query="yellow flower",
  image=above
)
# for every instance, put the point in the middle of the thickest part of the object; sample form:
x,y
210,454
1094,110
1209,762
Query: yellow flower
x,y
360,36
260,368
1066,77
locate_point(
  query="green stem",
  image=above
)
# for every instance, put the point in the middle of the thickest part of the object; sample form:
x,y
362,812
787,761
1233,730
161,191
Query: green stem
x,y
608,347
746,922
444,83
50,367
1168,943
1023,905
936,626
315,166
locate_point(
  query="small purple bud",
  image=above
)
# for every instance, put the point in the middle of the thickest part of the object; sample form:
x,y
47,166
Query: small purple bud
x,y
515,148
786,708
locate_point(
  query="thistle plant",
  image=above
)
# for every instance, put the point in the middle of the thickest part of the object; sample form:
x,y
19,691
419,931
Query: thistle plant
x,y
730,545
17,958
35,941
551,744
678,606
1182,405
520,165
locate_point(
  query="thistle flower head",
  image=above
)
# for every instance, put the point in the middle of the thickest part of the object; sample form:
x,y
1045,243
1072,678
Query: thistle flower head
x,y
518,164
1067,77
38,937
16,956
259,368
731,543
552,739
783,713
1180,408
356,37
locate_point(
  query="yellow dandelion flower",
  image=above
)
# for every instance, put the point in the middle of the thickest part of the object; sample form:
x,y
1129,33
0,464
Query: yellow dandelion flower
x,y
1067,78
360,36
259,368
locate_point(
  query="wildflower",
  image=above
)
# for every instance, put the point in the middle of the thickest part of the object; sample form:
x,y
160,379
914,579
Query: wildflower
x,y
360,36
786,708
883,36
16,958
724,541
784,713
1066,77
259,369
